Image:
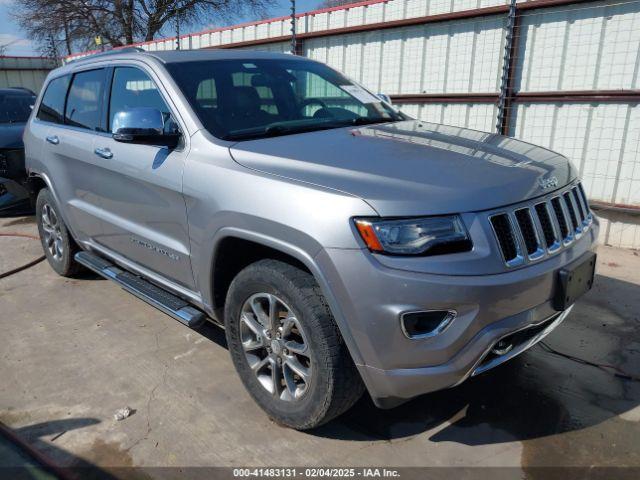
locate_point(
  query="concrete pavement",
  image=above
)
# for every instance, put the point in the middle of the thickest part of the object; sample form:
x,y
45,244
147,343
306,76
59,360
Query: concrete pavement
x,y
74,351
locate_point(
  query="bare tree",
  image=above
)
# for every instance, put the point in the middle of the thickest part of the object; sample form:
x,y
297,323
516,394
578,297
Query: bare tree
x,y
74,24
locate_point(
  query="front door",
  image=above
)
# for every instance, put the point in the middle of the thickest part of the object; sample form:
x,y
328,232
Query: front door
x,y
145,217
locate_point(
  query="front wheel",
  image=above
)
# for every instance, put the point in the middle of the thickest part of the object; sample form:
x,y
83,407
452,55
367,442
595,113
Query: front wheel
x,y
286,346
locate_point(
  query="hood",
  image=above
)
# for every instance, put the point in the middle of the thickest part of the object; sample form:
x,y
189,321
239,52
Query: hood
x,y
413,168
11,135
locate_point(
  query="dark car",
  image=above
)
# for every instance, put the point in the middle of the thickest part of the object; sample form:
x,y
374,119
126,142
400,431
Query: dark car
x,y
15,108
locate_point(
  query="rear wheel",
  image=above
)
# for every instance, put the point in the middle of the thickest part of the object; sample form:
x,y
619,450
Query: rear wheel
x,y
57,243
286,346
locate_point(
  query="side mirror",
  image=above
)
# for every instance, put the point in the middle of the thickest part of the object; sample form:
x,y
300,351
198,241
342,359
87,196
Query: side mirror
x,y
143,125
384,98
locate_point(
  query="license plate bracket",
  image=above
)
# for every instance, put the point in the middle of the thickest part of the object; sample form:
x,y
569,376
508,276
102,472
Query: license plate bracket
x,y
574,280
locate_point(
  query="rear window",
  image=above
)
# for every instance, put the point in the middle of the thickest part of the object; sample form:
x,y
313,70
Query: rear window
x,y
52,105
15,107
85,99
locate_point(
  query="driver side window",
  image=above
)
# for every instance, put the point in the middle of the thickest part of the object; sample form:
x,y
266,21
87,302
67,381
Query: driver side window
x,y
309,85
133,88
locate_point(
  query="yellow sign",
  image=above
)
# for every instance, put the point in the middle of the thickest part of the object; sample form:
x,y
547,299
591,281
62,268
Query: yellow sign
x,y
98,40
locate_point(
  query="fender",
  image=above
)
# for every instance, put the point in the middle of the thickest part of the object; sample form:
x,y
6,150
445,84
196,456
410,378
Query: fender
x,y
61,211
307,260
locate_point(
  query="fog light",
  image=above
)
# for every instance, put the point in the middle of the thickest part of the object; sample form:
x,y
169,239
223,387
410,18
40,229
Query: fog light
x,y
427,323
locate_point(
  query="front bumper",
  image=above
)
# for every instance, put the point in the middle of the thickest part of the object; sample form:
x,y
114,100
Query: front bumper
x,y
371,296
15,199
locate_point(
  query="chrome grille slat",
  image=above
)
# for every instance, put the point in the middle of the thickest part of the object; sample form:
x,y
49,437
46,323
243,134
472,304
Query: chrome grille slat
x,y
573,215
503,229
585,202
530,232
578,201
548,226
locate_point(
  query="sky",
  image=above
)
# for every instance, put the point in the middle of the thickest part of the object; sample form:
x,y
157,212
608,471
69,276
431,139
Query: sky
x,y
19,44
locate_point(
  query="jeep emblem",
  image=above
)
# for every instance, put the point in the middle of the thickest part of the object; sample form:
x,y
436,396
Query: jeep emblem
x,y
546,183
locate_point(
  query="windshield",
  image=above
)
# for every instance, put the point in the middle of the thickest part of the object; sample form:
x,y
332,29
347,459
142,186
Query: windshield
x,y
246,99
15,107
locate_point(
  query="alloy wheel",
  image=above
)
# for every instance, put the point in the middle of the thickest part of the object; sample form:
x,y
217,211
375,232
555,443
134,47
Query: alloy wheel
x,y
275,346
52,232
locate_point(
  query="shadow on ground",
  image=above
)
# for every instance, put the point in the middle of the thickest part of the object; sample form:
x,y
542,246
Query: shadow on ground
x,y
30,457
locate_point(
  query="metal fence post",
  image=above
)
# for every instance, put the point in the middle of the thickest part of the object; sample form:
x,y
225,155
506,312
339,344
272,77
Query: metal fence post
x,y
507,81
293,27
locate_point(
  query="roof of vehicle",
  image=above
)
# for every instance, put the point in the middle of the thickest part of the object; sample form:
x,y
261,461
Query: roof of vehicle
x,y
176,56
17,90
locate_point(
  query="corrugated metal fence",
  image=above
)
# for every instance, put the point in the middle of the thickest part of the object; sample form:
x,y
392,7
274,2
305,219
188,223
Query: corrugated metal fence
x,y
26,72
571,74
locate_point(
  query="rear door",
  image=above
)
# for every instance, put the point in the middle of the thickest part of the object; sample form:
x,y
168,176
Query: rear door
x,y
71,116
145,214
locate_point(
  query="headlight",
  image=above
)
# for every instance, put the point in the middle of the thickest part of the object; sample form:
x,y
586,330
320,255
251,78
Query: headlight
x,y
415,236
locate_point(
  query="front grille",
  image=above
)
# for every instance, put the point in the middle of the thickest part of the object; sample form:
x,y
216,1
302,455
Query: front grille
x,y
548,231
541,229
582,212
560,217
571,210
506,239
528,231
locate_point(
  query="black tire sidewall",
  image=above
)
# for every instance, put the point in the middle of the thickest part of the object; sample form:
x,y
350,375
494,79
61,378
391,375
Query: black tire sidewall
x,y
65,265
314,403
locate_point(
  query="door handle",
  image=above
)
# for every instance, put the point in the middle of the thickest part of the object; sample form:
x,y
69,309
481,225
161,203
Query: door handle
x,y
104,153
53,139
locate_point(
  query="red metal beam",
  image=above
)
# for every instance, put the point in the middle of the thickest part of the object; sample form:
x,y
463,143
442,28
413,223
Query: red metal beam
x,y
443,17
464,14
615,207
476,12
578,96
27,69
446,98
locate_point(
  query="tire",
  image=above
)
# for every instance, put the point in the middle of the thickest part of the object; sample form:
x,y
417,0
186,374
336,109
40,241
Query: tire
x,y
332,383
57,243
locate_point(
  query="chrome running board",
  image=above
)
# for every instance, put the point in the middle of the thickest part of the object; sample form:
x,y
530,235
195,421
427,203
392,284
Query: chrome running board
x,y
483,366
144,290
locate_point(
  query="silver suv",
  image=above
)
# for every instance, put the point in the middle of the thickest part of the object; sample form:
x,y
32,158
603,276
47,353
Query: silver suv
x,y
343,246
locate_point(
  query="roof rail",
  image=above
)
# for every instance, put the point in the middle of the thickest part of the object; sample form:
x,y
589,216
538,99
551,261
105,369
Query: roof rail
x,y
109,52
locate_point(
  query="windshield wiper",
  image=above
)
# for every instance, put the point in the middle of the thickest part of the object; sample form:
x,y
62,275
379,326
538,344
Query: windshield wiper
x,y
370,121
278,129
